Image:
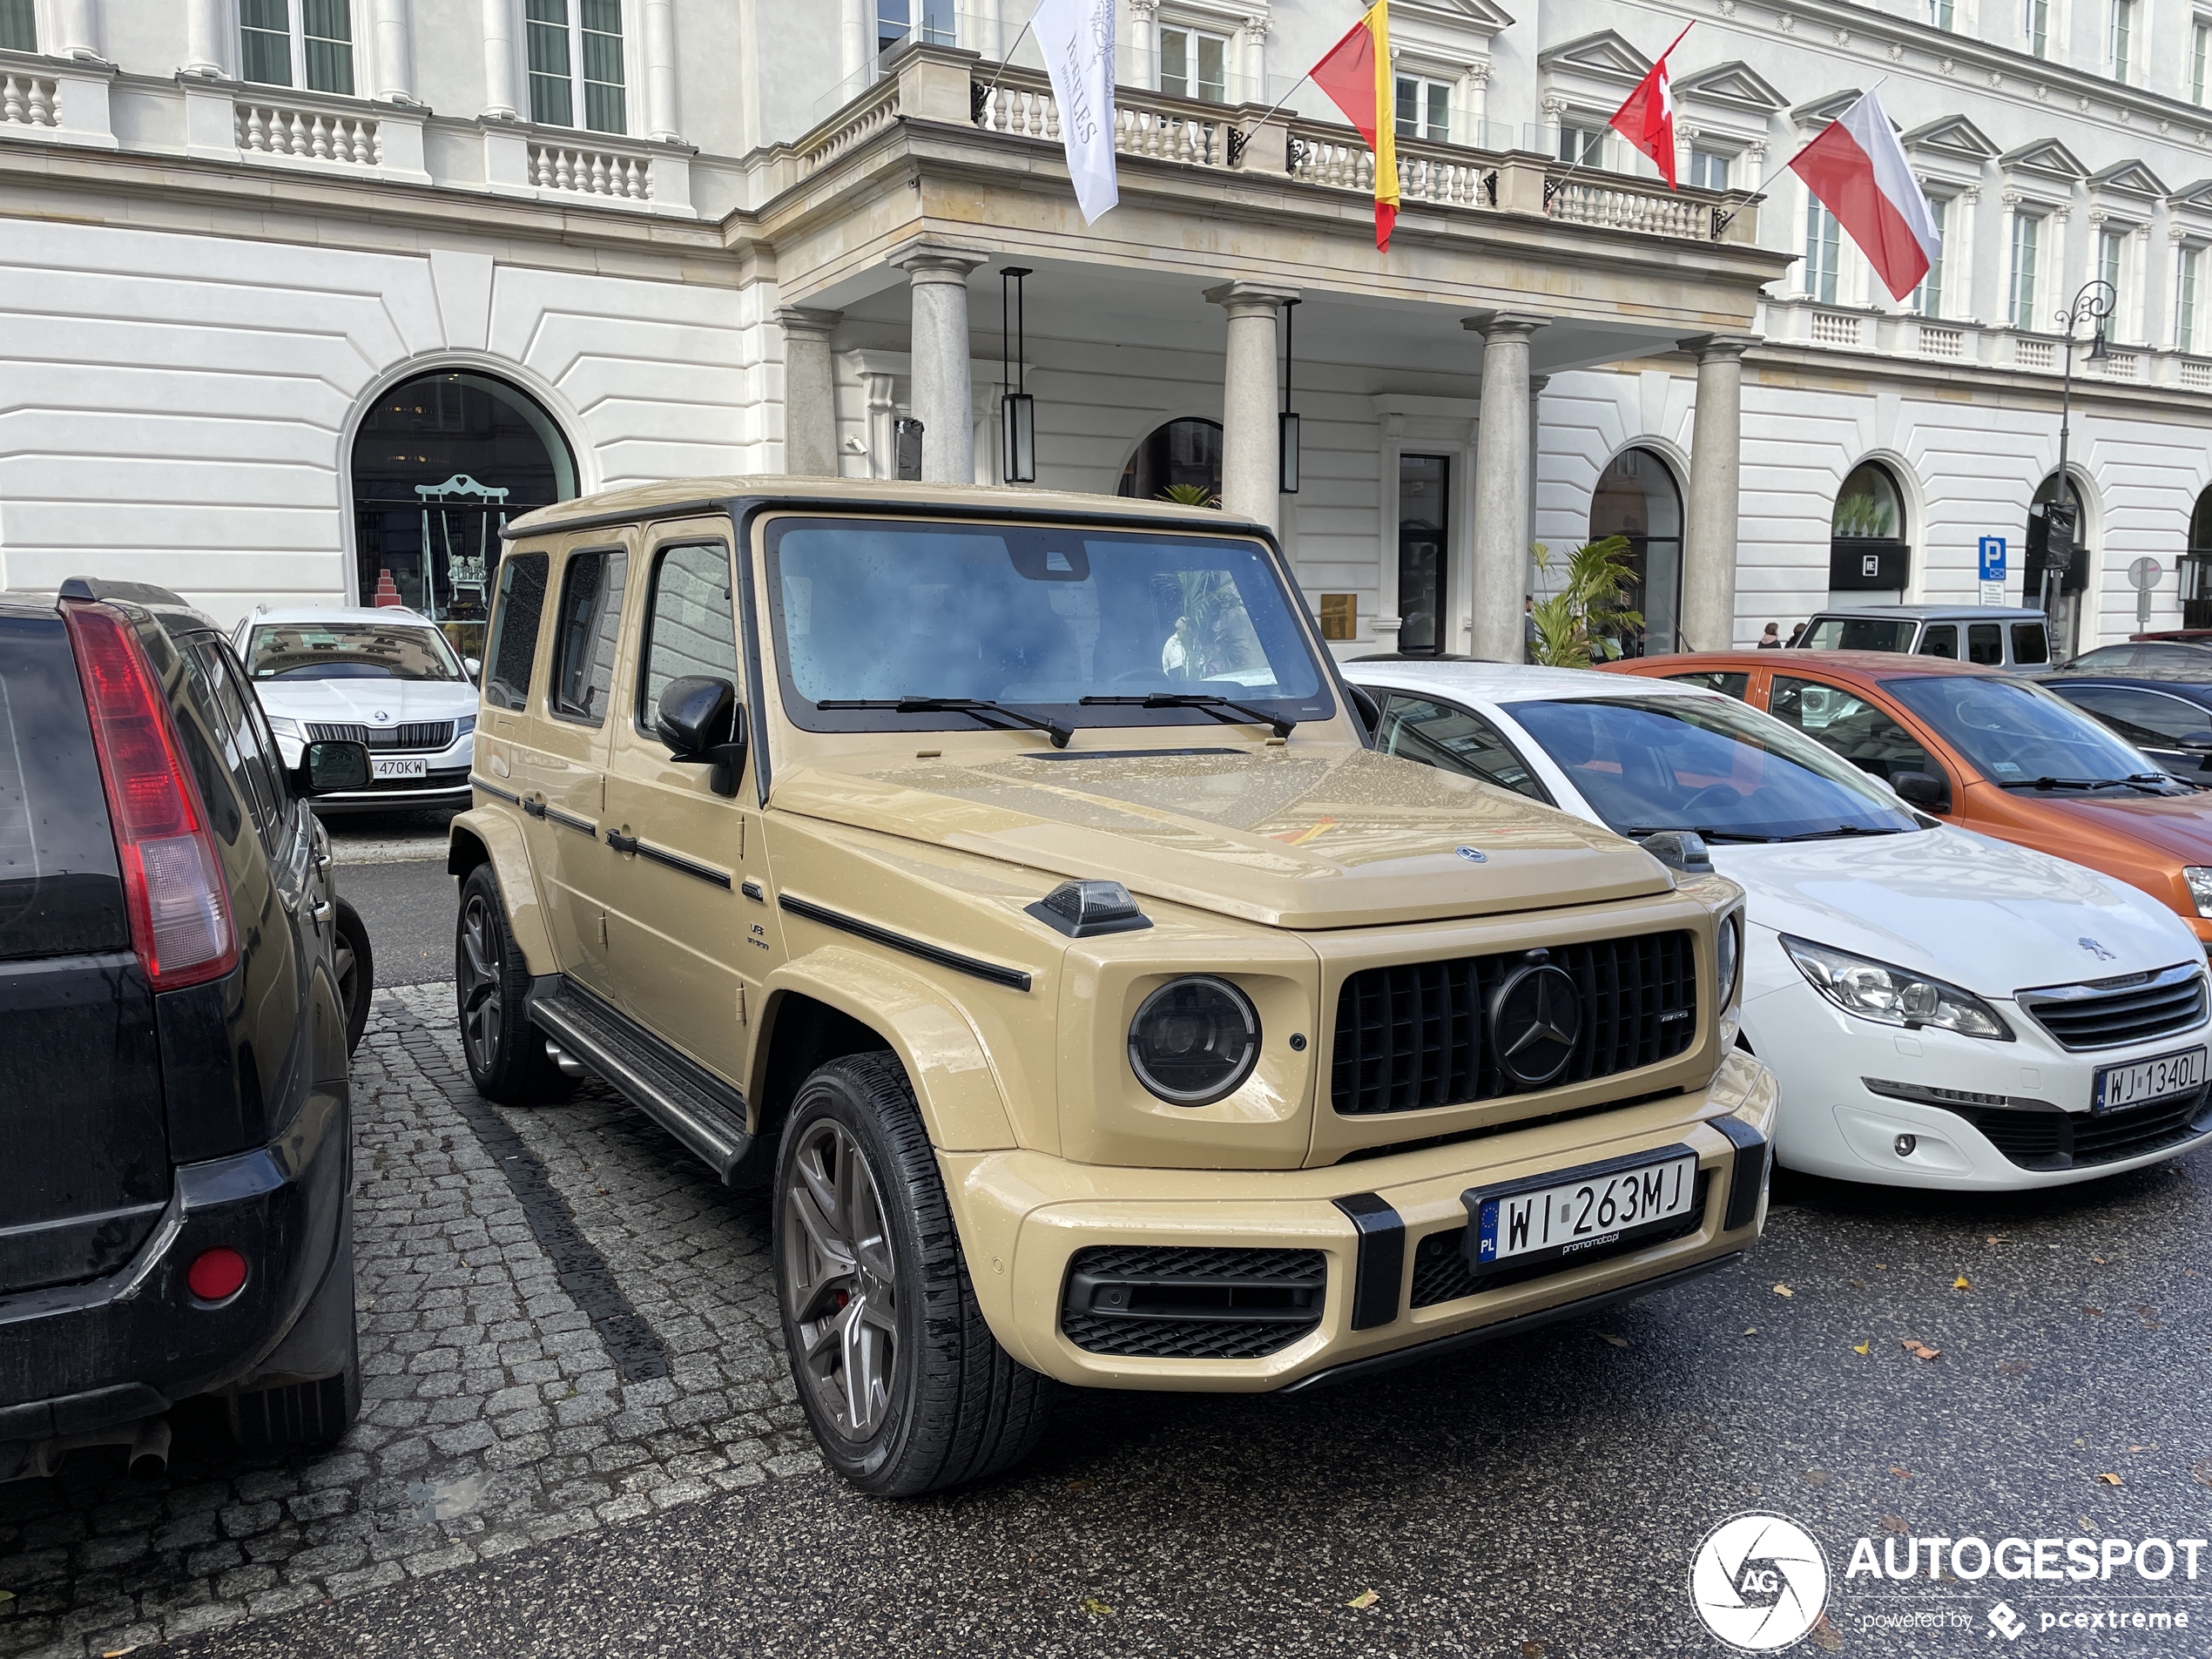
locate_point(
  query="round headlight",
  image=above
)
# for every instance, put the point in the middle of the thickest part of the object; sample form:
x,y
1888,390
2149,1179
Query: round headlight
x,y
1728,951
1194,1041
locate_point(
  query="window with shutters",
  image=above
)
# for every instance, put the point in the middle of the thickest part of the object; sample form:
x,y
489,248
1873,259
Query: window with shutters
x,y
575,63
293,43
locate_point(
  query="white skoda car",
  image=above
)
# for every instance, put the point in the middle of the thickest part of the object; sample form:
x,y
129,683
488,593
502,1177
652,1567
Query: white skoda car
x,y
385,677
1943,1010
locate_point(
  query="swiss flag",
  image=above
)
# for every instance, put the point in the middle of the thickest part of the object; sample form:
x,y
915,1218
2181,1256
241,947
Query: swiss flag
x,y
1646,119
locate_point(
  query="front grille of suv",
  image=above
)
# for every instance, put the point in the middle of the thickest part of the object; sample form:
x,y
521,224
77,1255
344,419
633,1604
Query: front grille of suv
x,y
1176,1302
424,736
1411,1036
2104,1014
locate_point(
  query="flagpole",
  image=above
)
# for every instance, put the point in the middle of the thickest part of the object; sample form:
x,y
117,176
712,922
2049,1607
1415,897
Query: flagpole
x,y
1723,223
1239,137
1007,56
1552,187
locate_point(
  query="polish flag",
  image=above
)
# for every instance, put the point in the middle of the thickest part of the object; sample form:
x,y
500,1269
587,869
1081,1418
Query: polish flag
x,y
1646,118
1858,170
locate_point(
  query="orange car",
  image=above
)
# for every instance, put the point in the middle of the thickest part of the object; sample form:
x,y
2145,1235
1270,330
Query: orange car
x,y
1986,751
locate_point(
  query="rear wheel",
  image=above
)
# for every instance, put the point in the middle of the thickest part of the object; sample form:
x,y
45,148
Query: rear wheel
x,y
506,1053
905,1386
356,967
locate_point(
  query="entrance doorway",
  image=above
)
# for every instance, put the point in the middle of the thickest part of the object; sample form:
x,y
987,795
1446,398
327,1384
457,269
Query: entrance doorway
x,y
1636,497
440,465
1424,511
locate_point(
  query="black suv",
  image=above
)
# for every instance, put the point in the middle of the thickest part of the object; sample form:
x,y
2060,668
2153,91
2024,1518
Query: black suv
x,y
176,1219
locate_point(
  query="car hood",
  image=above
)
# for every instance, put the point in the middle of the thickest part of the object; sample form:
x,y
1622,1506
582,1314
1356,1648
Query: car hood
x,y
368,702
2178,826
1313,836
1982,914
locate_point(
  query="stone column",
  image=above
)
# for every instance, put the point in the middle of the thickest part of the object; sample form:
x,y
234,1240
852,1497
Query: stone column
x,y
77,29
810,393
1504,455
394,53
1708,620
661,115
204,40
942,397
1252,481
499,61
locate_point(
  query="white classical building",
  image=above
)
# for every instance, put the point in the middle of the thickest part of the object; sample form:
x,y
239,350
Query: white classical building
x,y
302,297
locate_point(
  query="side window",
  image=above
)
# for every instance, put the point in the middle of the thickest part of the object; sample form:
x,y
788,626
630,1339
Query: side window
x,y
238,747
1455,739
1854,728
1940,639
590,624
1736,685
267,760
691,625
2031,643
2150,719
1986,643
513,645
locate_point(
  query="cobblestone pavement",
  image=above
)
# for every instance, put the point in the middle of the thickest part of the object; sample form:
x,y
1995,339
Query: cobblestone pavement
x,y
547,1351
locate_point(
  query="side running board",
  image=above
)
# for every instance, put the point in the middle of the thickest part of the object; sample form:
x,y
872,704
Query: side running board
x,y
692,1103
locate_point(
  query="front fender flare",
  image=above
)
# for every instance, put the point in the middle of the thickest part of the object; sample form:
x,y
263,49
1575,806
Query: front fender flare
x,y
488,835
955,1082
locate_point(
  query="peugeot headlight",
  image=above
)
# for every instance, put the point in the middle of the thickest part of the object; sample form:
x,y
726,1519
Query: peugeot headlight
x,y
1728,959
285,728
2199,880
1194,1041
1891,995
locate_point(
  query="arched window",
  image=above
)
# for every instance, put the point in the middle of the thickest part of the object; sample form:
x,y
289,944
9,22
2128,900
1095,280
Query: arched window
x,y
1867,549
441,462
2073,576
1636,496
2196,567
1185,452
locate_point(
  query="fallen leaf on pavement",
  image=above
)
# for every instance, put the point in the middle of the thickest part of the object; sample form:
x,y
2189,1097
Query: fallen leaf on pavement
x,y
1079,1483
1920,1350
1902,1474
1858,1285
1896,1524
2153,1446
2110,1480
2201,1474
2016,1367
1960,1283
1999,1238
1618,1342
1532,1650
1862,1347
2099,1260
2095,1313
1826,1637
1784,1290
1366,1598
1094,1606
1881,1267
1752,1331
1817,1477
9,1595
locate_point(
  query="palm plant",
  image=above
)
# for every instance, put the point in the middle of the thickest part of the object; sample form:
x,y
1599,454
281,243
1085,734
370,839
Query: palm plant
x,y
1189,495
1586,614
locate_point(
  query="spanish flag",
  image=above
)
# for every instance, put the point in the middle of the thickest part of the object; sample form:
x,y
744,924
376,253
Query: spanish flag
x,y
1356,76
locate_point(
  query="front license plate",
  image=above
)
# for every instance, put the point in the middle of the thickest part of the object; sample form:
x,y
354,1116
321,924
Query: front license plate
x,y
1576,1211
383,770
2121,1087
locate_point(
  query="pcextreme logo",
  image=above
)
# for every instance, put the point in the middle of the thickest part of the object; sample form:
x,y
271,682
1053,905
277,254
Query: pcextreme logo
x,y
1759,1582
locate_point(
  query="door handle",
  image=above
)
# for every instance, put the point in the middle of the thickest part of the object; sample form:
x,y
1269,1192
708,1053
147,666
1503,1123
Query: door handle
x,y
622,843
320,911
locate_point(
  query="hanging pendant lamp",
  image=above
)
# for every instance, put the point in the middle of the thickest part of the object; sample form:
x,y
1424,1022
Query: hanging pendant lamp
x,y
1018,410
1287,432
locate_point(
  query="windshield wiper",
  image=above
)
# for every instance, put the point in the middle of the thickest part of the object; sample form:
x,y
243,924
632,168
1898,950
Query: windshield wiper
x,y
1841,829
2141,780
1639,831
981,707
1205,702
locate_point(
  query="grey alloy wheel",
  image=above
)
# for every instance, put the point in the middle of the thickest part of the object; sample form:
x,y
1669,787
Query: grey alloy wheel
x,y
479,967
507,1058
842,1281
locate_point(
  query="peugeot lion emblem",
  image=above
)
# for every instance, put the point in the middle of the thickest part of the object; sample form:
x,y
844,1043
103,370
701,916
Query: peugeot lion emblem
x,y
1534,1020
2096,950
1473,854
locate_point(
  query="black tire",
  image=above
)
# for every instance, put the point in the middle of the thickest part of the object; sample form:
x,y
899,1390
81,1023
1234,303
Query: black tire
x,y
317,1411
506,1053
356,965
953,1406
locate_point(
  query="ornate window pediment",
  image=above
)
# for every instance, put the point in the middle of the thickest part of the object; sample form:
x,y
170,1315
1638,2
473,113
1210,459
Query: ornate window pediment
x,y
2046,159
2129,180
1822,111
1954,138
1734,87
1606,55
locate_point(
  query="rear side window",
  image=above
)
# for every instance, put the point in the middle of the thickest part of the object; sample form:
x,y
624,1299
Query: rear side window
x,y
1452,739
228,707
1986,643
2148,720
1847,723
690,628
584,655
1736,685
61,891
1940,639
513,645
2031,643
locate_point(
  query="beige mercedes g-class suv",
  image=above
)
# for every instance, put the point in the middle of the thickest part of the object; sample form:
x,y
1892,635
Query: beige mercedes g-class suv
x,y
1005,880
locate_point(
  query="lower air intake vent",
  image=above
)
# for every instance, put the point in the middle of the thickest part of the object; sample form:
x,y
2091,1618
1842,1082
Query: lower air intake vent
x,y
1170,1302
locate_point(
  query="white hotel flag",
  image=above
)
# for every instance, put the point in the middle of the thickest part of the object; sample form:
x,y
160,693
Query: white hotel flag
x,y
1077,37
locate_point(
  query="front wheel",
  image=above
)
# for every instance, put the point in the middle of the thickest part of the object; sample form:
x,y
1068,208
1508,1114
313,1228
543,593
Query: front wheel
x,y
507,1058
905,1388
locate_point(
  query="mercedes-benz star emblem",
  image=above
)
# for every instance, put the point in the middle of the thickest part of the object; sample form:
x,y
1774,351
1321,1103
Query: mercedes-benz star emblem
x,y
1535,1017
1472,854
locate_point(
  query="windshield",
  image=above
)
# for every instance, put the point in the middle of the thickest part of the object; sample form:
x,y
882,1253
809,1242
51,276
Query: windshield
x,y
1706,763
1031,618
350,650
2016,732
1858,633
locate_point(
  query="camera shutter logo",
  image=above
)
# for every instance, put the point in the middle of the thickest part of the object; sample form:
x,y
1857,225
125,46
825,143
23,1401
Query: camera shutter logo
x,y
1760,1582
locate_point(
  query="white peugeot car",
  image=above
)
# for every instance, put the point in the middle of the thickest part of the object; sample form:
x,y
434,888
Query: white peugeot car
x,y
1943,1010
385,677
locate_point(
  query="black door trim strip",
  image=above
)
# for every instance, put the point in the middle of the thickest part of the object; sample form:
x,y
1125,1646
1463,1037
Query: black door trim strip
x,y
1018,979
570,820
495,791
676,861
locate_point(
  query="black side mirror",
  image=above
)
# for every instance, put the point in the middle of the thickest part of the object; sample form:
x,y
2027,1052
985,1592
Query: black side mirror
x,y
703,724
2200,744
1923,790
331,768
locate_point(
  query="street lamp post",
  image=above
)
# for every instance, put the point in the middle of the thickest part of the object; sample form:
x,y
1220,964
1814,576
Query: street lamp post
x,y
2093,303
